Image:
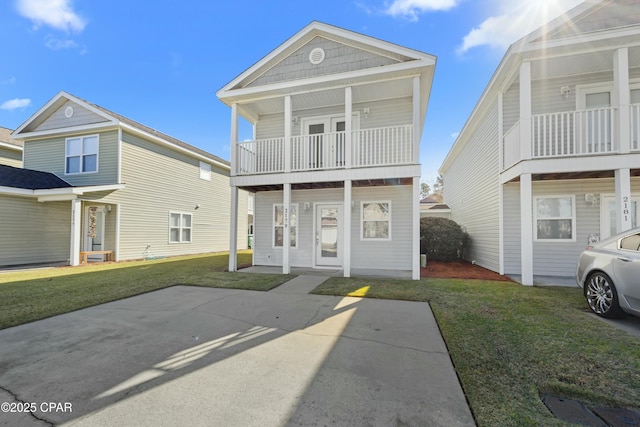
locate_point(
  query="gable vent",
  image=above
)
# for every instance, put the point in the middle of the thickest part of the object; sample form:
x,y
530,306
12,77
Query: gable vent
x,y
316,56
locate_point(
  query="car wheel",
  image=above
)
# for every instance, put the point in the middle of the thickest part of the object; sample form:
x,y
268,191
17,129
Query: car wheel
x,y
602,296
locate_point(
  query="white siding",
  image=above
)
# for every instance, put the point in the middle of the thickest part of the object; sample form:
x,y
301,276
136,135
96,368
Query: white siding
x,y
471,188
394,254
556,258
33,232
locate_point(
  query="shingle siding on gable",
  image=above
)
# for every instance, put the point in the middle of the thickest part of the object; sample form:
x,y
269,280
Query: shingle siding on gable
x,y
339,58
81,116
619,13
48,155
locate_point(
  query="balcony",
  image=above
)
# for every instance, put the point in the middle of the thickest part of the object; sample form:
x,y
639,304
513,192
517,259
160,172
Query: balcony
x,y
571,134
386,146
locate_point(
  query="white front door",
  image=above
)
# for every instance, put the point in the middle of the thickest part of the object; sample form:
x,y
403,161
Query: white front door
x,y
94,231
608,215
328,233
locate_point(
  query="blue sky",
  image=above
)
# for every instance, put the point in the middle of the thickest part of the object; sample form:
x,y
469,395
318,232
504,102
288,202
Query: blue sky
x,y
160,63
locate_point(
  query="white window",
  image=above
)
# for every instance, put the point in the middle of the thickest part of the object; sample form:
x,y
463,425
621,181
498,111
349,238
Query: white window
x,y
555,218
279,214
205,171
375,220
179,227
81,155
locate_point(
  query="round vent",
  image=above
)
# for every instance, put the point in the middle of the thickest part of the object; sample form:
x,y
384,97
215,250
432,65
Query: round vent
x,y
316,56
68,112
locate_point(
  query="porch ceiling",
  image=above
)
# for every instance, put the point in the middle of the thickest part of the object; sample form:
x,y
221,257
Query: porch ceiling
x,y
576,175
577,63
332,184
333,97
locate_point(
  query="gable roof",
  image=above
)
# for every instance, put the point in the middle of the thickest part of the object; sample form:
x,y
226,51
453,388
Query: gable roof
x,y
29,179
396,53
107,119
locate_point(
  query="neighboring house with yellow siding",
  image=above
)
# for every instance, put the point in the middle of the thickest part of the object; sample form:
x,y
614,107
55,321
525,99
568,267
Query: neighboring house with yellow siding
x,y
10,149
124,188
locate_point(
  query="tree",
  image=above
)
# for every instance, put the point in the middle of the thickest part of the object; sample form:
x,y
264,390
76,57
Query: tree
x,y
438,188
425,190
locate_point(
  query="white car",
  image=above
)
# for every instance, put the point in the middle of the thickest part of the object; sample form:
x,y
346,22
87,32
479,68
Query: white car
x,y
609,274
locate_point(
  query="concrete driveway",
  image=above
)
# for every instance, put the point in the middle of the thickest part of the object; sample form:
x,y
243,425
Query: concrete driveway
x,y
216,357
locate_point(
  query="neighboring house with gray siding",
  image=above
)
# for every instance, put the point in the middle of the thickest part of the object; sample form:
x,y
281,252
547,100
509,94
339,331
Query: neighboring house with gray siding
x,y
334,161
549,159
123,187
10,149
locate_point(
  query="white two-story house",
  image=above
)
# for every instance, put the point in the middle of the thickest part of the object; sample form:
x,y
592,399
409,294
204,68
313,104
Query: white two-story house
x,y
549,159
334,160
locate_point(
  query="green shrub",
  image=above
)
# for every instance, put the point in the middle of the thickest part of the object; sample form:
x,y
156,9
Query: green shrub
x,y
442,239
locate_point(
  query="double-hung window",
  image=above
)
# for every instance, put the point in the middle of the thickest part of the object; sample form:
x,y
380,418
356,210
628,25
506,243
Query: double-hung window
x,y
81,155
180,227
279,214
375,222
555,218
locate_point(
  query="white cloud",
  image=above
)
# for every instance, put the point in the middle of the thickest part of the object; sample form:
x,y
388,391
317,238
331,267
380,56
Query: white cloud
x,y
513,21
57,44
412,8
14,104
57,14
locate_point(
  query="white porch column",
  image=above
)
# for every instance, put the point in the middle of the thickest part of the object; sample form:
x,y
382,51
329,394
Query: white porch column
x,y
76,216
416,124
525,111
415,247
346,229
286,238
526,229
287,134
623,199
348,127
234,139
233,231
622,98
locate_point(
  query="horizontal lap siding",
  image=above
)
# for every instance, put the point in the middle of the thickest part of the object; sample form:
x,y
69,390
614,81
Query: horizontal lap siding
x,y
10,157
49,155
556,258
394,254
472,192
34,232
158,180
81,117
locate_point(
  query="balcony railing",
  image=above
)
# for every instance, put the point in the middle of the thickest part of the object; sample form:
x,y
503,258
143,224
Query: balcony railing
x,y
369,147
571,134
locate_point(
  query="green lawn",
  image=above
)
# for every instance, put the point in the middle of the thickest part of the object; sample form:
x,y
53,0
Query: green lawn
x,y
510,344
26,296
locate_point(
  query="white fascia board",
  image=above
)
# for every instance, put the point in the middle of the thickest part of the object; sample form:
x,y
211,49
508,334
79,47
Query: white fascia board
x,y
104,126
166,143
331,81
12,191
11,146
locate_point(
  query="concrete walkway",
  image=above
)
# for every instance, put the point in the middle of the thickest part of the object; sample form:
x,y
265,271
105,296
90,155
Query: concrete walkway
x,y
219,357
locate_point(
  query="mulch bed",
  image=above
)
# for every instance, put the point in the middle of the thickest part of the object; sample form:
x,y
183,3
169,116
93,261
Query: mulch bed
x,y
460,270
